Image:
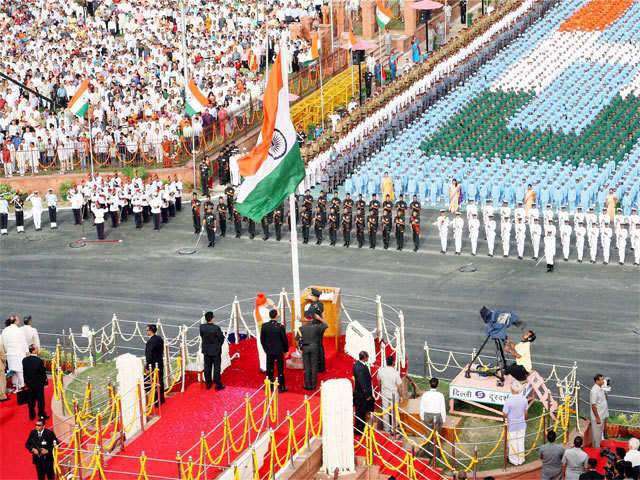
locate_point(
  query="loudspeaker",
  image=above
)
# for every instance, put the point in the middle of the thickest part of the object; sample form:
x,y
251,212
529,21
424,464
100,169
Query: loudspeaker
x,y
425,16
357,56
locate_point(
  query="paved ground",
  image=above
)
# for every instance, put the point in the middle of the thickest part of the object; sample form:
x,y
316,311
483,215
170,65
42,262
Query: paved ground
x,y
583,312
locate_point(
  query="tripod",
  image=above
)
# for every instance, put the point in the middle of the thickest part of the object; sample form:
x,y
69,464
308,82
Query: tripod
x,y
499,357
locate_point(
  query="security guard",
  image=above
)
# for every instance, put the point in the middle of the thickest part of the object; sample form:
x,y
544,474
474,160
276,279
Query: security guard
x,y
305,220
373,227
360,203
399,224
195,213
210,225
386,230
415,207
278,218
229,192
237,222
333,226
318,225
204,177
348,203
251,228
374,204
415,231
401,207
222,216
264,223
360,220
346,226
314,312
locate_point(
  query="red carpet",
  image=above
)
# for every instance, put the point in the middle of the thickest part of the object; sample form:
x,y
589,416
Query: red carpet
x,y
15,461
595,452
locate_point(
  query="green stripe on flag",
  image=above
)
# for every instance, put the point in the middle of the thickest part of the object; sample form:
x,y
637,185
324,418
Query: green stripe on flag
x,y
275,187
83,110
189,111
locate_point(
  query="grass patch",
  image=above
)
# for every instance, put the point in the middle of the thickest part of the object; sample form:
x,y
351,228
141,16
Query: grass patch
x,y
485,438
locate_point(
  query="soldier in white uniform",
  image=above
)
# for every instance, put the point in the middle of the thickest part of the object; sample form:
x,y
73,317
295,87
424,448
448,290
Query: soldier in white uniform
x,y
563,215
490,229
633,220
505,210
136,206
593,234
621,238
618,220
550,246
36,209
52,206
578,217
521,232
472,209
4,216
458,225
580,232
519,213
536,233
547,216
487,211
532,215
442,223
635,243
77,200
474,230
505,234
565,238
156,206
590,218
605,238
603,218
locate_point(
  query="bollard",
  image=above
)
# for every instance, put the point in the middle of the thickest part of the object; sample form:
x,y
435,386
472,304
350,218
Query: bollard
x,y
99,430
226,422
434,441
141,406
475,462
168,363
89,398
179,462
394,420
121,428
506,441
158,387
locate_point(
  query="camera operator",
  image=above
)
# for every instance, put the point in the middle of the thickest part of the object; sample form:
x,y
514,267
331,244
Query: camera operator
x,y
522,353
599,410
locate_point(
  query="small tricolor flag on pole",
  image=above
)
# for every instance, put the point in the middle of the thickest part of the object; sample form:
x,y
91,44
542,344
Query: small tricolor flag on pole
x,y
274,168
79,104
195,101
383,14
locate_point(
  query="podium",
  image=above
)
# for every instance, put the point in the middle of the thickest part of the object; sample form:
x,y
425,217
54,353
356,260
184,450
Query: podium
x,y
331,298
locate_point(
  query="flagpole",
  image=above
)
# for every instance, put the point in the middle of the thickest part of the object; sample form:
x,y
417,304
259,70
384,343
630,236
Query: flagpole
x,y
295,267
185,79
331,20
321,93
380,53
90,143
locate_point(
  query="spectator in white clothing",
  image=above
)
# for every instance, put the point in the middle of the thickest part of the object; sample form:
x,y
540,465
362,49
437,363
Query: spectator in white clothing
x,y
30,333
633,455
16,347
432,408
389,381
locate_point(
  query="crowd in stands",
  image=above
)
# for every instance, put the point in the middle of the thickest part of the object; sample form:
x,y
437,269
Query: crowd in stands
x,y
129,50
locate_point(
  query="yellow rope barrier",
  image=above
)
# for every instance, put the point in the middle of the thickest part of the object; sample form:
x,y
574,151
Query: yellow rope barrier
x,y
404,433
143,469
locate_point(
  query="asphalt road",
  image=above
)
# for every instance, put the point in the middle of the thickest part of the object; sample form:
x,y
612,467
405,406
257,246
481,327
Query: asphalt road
x,y
580,312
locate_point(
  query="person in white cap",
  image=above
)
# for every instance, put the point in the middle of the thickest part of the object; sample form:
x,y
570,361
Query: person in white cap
x,y
593,234
505,235
36,209
474,230
536,233
521,231
490,229
52,205
580,232
442,223
549,247
605,238
4,215
621,238
565,238
458,224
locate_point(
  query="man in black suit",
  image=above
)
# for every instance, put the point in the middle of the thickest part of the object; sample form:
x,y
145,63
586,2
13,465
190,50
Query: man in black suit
x,y
591,473
40,443
273,338
212,340
362,393
35,378
154,356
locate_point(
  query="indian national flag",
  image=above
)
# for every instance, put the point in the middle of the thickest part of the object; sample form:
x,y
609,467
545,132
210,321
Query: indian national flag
x,y
314,53
79,104
195,101
352,37
273,169
383,14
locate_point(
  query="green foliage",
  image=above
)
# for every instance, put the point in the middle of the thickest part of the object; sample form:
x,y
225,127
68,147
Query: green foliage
x,y
64,189
131,172
469,19
6,192
311,127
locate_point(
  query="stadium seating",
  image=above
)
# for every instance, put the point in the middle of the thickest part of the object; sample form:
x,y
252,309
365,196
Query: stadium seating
x,y
558,108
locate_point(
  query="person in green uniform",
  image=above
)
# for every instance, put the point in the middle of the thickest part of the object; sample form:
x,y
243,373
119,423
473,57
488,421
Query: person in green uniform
x,y
399,224
360,220
237,222
278,220
373,227
346,226
333,226
305,220
210,225
386,229
318,225
222,216
314,312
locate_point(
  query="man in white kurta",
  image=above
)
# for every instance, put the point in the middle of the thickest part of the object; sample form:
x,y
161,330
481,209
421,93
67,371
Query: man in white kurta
x,y
16,347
